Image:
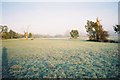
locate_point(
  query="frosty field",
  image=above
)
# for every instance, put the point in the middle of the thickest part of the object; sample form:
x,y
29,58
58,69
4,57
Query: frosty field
x,y
59,58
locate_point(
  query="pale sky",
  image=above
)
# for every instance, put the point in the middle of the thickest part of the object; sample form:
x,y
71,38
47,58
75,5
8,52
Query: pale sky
x,y
58,17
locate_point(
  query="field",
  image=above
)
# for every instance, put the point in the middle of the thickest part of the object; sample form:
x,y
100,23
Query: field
x,y
59,58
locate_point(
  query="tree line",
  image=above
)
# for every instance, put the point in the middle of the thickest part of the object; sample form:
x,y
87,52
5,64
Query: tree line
x,y
5,33
94,29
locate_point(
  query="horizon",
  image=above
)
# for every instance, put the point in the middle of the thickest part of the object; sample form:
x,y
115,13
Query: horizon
x,y
57,18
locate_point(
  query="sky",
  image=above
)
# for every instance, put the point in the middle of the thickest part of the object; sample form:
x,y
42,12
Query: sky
x,y
58,17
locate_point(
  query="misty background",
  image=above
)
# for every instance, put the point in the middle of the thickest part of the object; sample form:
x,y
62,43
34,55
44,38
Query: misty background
x,y
58,18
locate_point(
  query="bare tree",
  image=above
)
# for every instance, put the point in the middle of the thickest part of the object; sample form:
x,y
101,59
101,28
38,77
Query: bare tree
x,y
26,33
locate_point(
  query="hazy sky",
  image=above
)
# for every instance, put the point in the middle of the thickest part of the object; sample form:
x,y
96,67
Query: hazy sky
x,y
57,18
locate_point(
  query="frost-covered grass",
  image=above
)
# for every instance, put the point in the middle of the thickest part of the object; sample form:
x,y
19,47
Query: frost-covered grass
x,y
66,58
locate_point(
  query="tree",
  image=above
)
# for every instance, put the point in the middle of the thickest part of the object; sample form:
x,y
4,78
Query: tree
x,y
12,34
95,31
5,35
4,32
30,35
117,29
3,29
90,29
26,35
74,33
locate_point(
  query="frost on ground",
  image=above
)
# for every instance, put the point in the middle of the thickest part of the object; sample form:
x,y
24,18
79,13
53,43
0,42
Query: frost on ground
x,y
44,58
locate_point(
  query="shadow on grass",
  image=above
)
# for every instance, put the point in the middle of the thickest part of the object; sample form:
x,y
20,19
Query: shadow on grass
x,y
106,41
5,69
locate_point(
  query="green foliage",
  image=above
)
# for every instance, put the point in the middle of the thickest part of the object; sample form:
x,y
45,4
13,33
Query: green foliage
x,y
12,34
74,33
3,29
30,35
5,34
117,28
96,32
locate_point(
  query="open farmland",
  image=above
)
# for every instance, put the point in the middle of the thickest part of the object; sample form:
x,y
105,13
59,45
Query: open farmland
x,y
59,58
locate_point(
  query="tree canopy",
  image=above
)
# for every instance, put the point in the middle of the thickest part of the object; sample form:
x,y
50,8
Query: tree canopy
x,y
117,28
95,31
12,34
30,35
3,29
74,33
5,34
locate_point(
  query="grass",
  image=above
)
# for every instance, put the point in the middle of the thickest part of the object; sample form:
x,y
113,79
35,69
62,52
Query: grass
x,y
51,58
